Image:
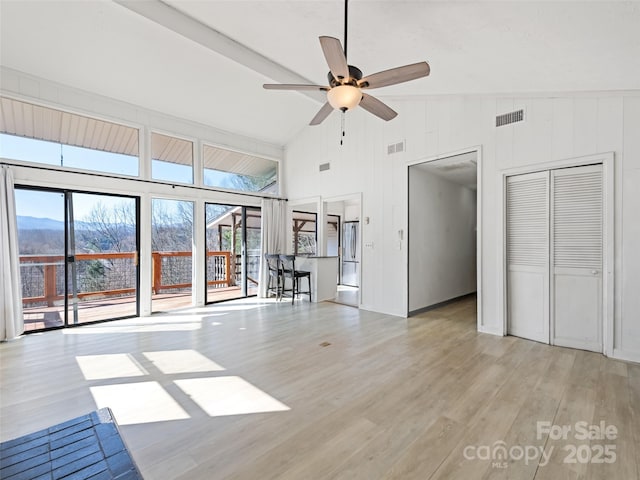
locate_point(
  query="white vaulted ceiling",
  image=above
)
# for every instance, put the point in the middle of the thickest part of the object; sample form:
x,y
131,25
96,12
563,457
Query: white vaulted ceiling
x,y
206,61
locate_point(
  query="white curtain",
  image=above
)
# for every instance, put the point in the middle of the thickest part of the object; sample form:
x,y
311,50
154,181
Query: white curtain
x,y
11,321
274,235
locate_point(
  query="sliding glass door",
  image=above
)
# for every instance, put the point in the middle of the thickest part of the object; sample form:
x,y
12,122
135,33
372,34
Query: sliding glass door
x,y
171,251
233,251
78,257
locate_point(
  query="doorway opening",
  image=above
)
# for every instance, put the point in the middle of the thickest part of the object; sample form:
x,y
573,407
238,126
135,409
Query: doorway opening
x,y
443,232
346,242
233,244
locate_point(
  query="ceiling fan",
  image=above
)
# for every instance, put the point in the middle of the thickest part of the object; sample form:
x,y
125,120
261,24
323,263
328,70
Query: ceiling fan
x,y
346,84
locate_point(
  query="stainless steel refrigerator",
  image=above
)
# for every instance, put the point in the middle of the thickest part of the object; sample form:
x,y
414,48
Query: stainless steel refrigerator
x,y
350,268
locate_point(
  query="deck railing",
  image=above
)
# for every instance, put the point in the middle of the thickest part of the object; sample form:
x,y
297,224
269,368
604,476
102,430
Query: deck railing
x,y
113,274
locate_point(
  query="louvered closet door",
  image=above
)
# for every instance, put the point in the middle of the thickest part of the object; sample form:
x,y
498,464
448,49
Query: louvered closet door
x,y
528,256
576,257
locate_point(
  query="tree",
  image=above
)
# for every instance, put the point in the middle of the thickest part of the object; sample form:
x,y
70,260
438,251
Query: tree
x,y
108,230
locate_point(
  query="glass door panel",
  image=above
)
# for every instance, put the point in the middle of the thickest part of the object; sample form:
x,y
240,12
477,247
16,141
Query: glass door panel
x,y
233,251
253,242
102,246
41,245
224,247
78,257
171,245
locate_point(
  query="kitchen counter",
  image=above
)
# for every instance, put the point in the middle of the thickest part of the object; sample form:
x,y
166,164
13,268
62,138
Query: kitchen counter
x,y
324,275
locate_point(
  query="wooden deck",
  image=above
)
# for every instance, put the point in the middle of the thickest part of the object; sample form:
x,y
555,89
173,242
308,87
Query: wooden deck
x,y
38,318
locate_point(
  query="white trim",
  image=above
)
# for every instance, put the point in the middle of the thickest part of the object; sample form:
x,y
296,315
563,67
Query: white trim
x,y
198,271
63,177
144,153
626,355
442,156
608,257
194,151
479,165
502,257
479,192
145,263
556,164
491,330
241,151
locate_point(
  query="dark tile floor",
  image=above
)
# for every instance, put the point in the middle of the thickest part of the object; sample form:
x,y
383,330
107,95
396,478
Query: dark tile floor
x,y
86,447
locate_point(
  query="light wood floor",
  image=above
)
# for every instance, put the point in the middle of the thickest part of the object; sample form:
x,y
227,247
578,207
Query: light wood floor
x,y
38,318
339,393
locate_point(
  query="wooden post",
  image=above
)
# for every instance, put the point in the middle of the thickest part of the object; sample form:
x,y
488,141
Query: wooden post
x,y
234,230
50,287
157,272
227,262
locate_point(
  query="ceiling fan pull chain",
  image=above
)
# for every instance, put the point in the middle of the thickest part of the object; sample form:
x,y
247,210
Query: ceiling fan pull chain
x,y
342,127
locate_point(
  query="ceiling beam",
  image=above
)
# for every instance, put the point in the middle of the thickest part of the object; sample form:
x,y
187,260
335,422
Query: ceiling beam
x,y
182,24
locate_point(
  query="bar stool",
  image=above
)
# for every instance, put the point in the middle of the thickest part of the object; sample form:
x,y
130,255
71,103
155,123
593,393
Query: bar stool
x,y
275,273
288,269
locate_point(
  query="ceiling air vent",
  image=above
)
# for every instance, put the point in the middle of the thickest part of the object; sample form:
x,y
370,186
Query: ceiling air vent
x,y
325,166
511,117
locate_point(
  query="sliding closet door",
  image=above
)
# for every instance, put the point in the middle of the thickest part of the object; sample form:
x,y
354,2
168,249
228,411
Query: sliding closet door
x,y
576,257
528,256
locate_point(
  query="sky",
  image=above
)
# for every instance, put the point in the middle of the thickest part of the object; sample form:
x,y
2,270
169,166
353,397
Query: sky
x,y
42,204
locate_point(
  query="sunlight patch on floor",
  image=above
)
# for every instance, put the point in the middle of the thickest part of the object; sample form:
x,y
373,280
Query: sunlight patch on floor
x,y
160,323
231,395
220,308
182,361
98,367
132,403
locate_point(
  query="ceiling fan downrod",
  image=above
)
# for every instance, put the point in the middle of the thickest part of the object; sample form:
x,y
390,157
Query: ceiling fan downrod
x,y
346,19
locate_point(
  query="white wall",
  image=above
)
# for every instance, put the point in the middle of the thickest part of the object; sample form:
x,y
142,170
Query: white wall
x,y
557,127
351,213
442,239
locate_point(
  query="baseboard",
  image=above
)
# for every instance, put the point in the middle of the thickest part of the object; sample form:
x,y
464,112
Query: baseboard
x,y
626,355
440,304
491,330
369,308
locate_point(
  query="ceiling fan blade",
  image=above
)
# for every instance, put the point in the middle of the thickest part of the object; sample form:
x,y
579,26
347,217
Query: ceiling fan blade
x,y
333,53
322,114
293,86
375,106
395,75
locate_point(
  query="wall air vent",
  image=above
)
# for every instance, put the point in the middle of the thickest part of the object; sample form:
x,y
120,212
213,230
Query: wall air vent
x,y
511,117
395,148
324,166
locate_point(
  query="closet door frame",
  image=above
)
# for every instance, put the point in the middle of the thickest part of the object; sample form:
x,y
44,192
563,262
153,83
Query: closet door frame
x,y
607,161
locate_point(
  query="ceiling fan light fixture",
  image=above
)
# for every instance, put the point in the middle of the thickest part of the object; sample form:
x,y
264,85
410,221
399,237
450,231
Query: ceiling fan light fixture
x,y
344,97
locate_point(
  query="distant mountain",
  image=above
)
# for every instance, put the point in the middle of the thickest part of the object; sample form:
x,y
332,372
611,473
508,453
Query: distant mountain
x,y
35,223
